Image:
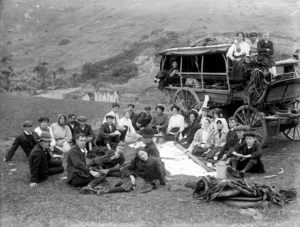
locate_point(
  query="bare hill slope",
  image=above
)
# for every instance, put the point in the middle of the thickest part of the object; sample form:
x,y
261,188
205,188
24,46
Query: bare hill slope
x,y
69,33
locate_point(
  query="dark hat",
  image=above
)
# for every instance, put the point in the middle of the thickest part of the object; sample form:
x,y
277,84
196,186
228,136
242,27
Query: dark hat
x,y
42,119
195,112
72,115
115,105
244,128
45,136
253,32
205,108
147,108
250,133
27,124
176,107
160,106
110,116
82,118
147,132
131,105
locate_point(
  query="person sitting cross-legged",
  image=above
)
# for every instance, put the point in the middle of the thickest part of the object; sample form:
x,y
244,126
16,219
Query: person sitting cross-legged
x,y
79,174
142,119
41,163
247,157
24,140
139,175
108,135
111,161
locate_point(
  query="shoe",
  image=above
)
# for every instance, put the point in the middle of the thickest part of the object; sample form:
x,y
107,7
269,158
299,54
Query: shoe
x,y
87,190
99,187
101,192
242,174
233,172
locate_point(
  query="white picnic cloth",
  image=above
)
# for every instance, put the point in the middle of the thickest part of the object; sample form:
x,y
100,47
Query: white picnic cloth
x,y
176,162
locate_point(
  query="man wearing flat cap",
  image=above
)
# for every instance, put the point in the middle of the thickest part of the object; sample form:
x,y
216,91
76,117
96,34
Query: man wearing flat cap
x,y
159,121
143,119
115,113
41,163
24,140
247,157
108,135
85,129
252,41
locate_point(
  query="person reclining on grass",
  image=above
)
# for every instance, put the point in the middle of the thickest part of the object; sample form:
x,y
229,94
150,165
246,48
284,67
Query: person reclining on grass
x,y
111,161
79,174
86,129
247,157
108,135
62,133
139,175
41,163
24,140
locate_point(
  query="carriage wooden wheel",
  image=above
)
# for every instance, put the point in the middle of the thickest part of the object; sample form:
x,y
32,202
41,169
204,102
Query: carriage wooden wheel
x,y
248,115
293,133
186,99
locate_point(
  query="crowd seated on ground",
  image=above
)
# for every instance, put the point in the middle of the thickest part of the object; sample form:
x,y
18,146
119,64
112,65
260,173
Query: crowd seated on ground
x,y
90,162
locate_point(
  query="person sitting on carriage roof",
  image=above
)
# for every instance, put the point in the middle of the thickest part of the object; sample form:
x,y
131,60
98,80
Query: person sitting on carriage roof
x,y
235,53
247,157
252,41
265,49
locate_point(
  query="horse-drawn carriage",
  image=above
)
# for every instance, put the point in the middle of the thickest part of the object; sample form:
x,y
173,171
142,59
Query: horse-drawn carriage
x,y
267,106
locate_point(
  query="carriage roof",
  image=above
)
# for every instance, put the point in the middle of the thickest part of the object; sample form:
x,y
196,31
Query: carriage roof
x,y
222,48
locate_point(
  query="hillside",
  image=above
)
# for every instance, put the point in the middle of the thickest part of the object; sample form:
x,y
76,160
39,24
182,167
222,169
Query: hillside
x,y
33,29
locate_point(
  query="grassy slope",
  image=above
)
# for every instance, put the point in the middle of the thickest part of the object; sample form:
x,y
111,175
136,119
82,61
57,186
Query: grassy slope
x,y
101,29
57,204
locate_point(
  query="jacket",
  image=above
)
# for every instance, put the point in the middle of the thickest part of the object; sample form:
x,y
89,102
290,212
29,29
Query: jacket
x,y
86,131
149,170
38,163
104,132
26,142
76,164
152,150
143,119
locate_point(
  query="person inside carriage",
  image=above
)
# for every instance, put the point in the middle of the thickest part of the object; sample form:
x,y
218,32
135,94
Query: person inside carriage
x,y
238,50
171,76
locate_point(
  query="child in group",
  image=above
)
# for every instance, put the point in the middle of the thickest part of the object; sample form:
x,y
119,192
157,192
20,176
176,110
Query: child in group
x,y
247,157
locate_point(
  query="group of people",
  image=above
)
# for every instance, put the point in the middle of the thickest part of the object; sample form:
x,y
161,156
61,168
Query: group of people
x,y
91,159
263,49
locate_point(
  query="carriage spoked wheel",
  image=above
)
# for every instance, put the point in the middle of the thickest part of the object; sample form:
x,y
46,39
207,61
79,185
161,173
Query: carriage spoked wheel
x,y
186,99
248,115
293,133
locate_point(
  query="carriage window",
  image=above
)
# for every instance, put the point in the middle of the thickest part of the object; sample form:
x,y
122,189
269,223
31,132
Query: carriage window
x,y
214,63
189,64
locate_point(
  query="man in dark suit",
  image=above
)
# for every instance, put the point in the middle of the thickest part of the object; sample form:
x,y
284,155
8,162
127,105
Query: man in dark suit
x,y
86,129
72,123
132,113
41,163
24,140
108,136
79,174
143,119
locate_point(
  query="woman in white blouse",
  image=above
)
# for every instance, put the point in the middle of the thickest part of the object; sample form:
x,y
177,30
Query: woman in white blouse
x,y
176,124
126,123
235,53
